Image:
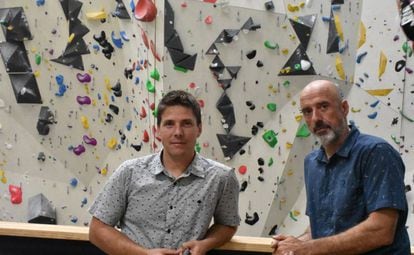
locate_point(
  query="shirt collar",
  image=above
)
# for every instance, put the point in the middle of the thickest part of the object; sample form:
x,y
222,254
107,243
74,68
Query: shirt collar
x,y
196,167
346,147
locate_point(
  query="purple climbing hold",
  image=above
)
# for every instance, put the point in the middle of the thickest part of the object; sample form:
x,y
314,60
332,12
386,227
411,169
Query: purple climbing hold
x,y
78,150
89,140
83,100
84,78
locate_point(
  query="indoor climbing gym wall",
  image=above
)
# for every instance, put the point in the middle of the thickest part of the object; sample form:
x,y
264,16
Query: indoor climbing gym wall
x,y
80,81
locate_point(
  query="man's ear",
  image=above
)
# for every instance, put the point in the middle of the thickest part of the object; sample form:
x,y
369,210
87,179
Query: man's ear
x,y
345,107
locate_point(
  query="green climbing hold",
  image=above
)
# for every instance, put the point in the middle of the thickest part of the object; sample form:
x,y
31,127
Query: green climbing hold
x,y
297,67
286,84
270,138
270,45
181,69
270,163
407,49
150,86
197,147
271,107
303,131
38,59
155,112
155,74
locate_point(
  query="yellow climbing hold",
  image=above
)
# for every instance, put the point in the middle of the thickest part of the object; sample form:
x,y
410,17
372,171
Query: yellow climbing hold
x,y
112,143
379,92
70,39
298,118
339,27
104,171
355,110
382,64
340,67
293,8
85,122
96,15
362,34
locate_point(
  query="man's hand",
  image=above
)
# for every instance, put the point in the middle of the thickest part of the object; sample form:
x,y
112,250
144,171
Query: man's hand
x,y
286,245
194,247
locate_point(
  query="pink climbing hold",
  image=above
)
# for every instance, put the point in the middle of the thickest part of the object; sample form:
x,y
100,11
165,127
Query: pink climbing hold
x,y
83,100
78,150
145,10
143,113
84,78
16,194
154,51
144,38
89,140
208,20
242,169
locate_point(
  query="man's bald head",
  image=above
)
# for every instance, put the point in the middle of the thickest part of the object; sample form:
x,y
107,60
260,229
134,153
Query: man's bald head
x,y
323,86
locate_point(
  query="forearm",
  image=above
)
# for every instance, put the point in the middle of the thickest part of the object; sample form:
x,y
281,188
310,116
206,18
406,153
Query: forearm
x,y
218,235
376,231
112,241
306,236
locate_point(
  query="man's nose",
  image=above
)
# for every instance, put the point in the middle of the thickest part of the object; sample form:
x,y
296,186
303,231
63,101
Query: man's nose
x,y
178,130
316,115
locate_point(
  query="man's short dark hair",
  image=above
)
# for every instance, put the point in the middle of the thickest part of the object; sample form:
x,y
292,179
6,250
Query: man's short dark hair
x,y
182,98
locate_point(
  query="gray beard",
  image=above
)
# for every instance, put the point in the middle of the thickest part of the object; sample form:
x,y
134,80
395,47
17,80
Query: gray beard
x,y
333,135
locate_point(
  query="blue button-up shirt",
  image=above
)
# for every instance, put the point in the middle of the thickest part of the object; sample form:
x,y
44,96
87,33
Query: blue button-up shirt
x,y
364,175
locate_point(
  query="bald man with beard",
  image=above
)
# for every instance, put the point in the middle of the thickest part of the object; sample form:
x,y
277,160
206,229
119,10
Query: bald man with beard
x,y
354,183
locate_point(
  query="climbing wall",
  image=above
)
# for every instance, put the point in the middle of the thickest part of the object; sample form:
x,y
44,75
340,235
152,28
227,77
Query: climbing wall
x,y
84,100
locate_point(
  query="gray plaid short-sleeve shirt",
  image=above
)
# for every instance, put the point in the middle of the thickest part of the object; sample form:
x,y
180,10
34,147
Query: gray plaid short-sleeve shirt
x,y
157,211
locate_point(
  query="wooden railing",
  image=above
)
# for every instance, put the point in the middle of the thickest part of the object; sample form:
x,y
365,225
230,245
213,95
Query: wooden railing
x,y
25,233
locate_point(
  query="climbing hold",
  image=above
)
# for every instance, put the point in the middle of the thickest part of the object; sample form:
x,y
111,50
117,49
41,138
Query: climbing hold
x,y
15,194
303,131
89,140
251,220
73,182
150,86
111,144
145,137
208,20
78,150
382,64
83,100
271,107
85,122
38,59
243,186
373,115
270,138
155,74
270,45
242,169
116,41
83,78
145,10
251,54
99,15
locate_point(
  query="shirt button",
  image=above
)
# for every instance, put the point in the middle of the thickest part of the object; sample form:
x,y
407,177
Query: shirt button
x,y
168,231
171,207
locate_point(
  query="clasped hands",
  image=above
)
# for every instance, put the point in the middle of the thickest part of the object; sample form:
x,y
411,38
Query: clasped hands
x,y
193,247
286,245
